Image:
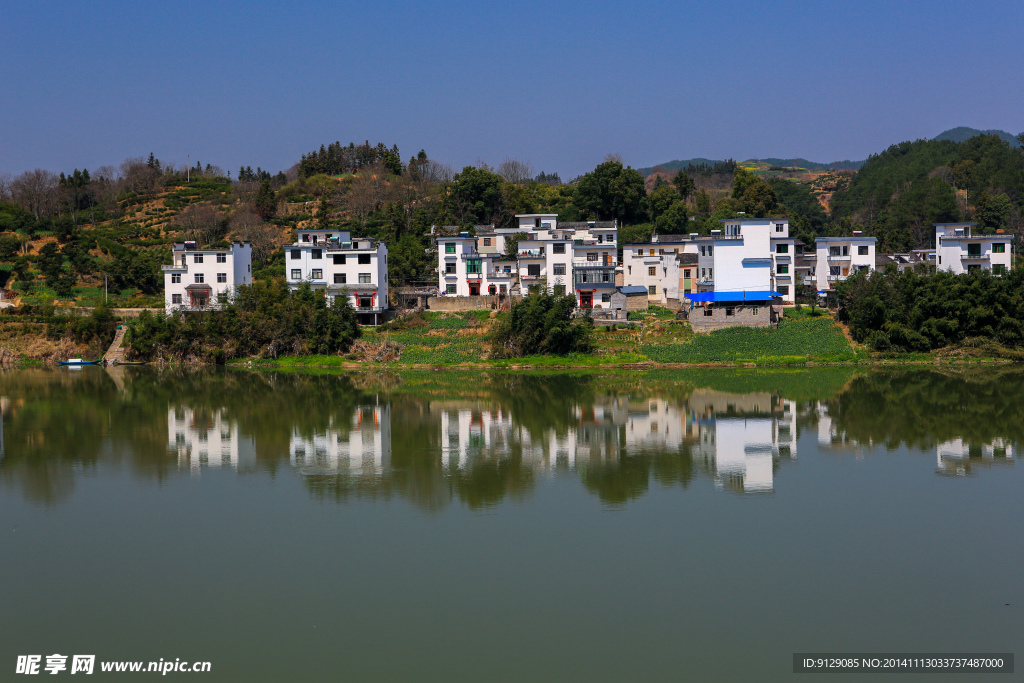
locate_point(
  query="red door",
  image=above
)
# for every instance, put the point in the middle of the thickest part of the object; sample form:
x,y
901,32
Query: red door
x,y
586,300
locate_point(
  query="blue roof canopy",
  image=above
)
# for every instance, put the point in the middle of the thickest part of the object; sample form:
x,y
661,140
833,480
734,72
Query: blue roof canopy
x,y
765,295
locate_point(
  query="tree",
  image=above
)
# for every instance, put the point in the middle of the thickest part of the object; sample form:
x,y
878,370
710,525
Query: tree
x,y
262,237
759,199
660,199
684,184
512,245
741,180
36,192
474,197
612,191
515,171
542,323
265,203
200,222
674,221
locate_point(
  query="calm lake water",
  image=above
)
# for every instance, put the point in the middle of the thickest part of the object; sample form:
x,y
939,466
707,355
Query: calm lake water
x,y
677,525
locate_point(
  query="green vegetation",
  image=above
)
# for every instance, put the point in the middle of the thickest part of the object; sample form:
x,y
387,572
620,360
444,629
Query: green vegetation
x,y
911,312
264,320
542,324
797,341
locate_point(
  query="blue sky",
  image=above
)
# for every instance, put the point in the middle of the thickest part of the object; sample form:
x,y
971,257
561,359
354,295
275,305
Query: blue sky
x,y
560,84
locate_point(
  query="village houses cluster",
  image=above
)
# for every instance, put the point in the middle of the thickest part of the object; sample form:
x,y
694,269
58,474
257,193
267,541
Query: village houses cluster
x,y
738,275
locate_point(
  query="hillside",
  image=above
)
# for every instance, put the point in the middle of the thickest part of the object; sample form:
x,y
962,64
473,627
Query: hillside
x,y
797,163
963,134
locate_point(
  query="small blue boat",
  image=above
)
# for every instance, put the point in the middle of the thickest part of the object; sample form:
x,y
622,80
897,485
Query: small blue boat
x,y
79,361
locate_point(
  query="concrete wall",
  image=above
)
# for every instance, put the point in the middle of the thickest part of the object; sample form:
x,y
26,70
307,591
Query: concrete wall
x,y
465,303
743,317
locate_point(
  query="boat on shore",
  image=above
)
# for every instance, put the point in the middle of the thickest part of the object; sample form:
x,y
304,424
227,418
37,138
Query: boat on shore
x,y
79,361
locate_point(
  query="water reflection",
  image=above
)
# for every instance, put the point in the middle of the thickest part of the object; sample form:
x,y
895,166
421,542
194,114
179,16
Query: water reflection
x,y
435,438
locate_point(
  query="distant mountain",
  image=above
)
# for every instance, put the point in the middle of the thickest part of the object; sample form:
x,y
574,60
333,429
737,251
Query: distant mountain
x,y
799,163
963,133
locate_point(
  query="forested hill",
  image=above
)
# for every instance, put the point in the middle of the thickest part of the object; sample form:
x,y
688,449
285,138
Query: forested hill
x,y
680,164
898,194
963,134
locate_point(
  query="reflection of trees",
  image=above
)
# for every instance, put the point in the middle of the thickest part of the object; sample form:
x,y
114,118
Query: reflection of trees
x,y
922,408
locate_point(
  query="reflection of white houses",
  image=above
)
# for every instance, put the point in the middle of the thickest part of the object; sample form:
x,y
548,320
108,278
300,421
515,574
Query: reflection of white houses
x,y
360,448
207,439
741,437
957,457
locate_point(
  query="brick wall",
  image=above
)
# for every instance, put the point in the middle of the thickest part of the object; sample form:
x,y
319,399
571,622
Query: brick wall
x,y
743,316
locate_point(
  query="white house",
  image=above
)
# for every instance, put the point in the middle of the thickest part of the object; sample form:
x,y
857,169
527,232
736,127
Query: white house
x,y
464,270
840,257
337,265
658,268
958,251
198,279
784,251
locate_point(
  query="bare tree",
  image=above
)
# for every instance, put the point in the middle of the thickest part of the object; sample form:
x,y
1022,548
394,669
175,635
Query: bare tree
x,y
200,222
368,190
263,237
5,187
36,191
516,171
138,176
614,156
246,191
435,173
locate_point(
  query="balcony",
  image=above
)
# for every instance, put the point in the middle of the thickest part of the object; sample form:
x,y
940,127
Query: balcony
x,y
975,258
499,274
578,263
471,256
474,276
531,253
838,257
176,268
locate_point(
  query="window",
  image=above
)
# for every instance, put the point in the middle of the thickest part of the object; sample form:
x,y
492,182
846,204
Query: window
x,y
703,249
780,227
559,269
640,252
998,248
998,268
592,257
973,268
711,275
686,272
317,274
487,241
973,250
782,269
753,311
364,259
364,278
833,270
450,268
175,298
606,298
862,251
709,250
199,278
703,272
340,278
784,290
474,266
305,238
198,258
175,277
652,271
296,254
533,269
833,251
604,277
652,290
708,311
557,248
450,289
296,274
559,289
339,259
730,311
317,253
222,277
449,248
781,248
846,250
222,258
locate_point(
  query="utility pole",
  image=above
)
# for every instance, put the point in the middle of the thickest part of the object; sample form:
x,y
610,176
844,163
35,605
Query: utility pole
x,y
188,165
106,299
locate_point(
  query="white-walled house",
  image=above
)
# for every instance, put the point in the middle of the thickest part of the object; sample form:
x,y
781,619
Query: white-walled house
x,y
840,257
198,279
464,270
334,263
959,251
783,253
657,267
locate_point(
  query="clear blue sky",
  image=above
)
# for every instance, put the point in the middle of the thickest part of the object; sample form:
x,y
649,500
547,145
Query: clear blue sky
x,y
560,84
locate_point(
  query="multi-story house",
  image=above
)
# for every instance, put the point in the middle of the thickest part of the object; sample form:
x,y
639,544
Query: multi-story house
x,y
198,279
333,262
463,270
784,253
840,257
665,269
959,251
594,261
